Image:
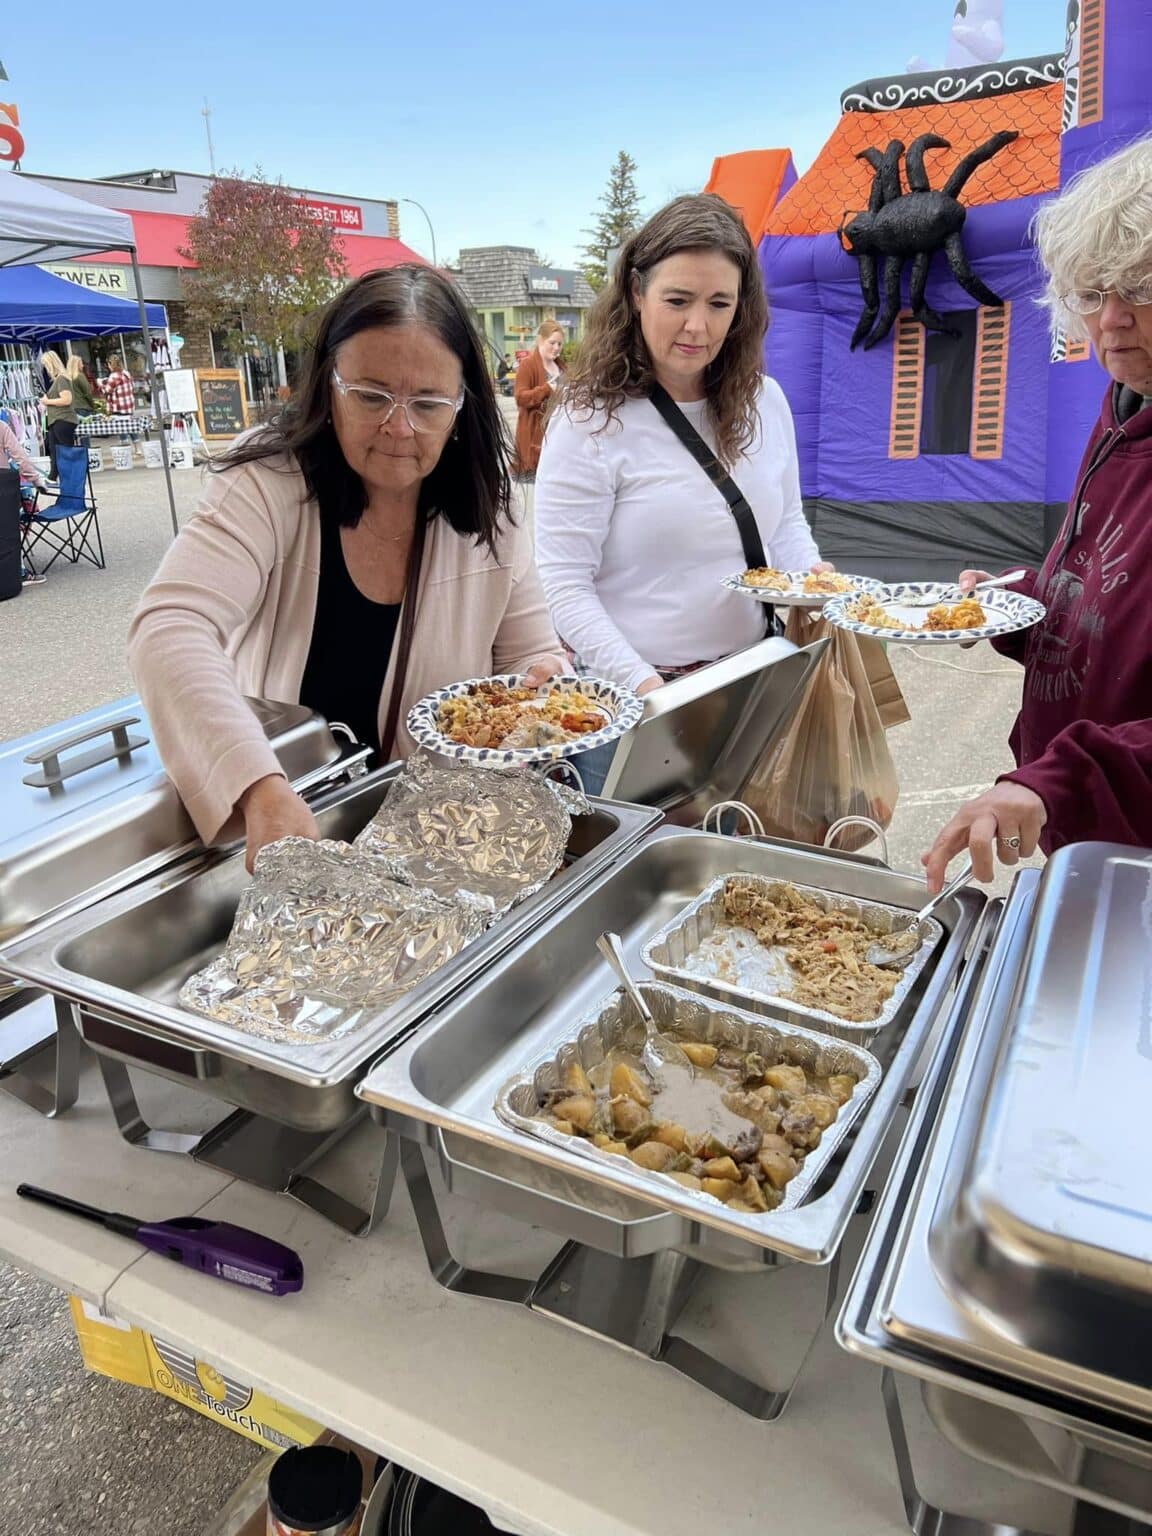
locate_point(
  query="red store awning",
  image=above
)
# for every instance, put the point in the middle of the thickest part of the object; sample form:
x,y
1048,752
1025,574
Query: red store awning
x,y
159,237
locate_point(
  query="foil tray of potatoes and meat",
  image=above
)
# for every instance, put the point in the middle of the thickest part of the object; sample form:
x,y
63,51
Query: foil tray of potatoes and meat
x,y
752,1128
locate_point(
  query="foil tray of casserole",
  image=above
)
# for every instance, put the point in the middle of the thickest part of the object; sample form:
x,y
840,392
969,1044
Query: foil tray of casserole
x,y
705,947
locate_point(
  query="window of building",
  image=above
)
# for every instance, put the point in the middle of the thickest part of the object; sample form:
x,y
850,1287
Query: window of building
x,y
949,371
949,392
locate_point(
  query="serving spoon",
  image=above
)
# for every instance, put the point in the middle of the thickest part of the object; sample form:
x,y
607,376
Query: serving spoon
x,y
658,1050
943,595
881,953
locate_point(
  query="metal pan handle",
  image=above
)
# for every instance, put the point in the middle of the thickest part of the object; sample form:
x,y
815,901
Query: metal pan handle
x,y
51,774
715,813
860,821
149,1050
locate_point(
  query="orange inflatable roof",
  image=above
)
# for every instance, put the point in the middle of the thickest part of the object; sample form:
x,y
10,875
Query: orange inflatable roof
x,y
838,183
752,182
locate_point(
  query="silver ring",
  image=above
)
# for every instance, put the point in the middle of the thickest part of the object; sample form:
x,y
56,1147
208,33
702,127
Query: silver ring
x,y
1010,842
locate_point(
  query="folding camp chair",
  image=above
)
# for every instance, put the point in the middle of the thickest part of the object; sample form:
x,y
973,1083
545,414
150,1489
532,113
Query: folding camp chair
x,y
69,525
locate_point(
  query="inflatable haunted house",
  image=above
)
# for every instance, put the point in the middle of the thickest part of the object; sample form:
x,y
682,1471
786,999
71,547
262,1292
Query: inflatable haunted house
x,y
938,424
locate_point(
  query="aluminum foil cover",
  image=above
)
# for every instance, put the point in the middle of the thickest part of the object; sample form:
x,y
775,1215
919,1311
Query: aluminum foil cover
x,y
325,935
613,1025
701,947
499,833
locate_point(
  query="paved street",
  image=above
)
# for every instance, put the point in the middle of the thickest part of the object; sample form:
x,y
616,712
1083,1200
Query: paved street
x,y
78,1453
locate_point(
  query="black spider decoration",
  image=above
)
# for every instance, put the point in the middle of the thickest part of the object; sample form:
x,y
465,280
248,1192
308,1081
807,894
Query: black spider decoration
x,y
900,225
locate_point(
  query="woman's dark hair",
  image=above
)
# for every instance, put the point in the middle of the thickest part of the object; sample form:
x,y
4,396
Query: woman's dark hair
x,y
469,486
613,363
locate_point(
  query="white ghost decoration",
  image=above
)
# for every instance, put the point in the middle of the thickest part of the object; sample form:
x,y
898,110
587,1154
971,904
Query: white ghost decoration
x,y
977,34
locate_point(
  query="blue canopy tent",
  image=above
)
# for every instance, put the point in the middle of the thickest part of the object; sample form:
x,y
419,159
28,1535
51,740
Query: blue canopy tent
x,y
38,309
39,224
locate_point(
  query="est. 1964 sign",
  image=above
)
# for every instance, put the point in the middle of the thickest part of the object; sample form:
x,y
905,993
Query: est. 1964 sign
x,y
11,139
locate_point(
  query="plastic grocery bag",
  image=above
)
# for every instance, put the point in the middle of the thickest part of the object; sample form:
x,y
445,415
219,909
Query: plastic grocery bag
x,y
833,759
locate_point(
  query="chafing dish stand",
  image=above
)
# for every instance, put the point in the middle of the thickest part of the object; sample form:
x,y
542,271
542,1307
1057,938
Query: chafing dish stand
x,y
629,1267
89,814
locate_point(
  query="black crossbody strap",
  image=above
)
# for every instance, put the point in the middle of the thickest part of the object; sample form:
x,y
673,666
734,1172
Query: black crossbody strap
x,y
674,417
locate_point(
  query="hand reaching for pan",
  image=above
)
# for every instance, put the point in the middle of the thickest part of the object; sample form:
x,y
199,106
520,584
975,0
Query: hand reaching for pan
x,y
1004,822
272,809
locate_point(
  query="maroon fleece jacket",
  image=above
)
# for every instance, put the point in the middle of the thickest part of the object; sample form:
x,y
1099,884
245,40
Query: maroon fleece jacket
x,y
1083,738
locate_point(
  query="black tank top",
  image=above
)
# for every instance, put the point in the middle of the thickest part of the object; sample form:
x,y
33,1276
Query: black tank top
x,y
352,640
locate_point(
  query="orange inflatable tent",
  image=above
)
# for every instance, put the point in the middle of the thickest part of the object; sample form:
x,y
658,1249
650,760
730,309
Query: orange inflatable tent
x,y
753,181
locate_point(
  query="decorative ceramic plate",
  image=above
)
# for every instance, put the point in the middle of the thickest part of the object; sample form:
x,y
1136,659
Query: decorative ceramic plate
x,y
1004,612
790,592
620,707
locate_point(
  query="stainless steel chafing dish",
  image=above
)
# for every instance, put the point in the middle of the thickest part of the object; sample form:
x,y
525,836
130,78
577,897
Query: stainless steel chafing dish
x,y
117,965
1009,1267
125,823
126,991
438,1089
88,811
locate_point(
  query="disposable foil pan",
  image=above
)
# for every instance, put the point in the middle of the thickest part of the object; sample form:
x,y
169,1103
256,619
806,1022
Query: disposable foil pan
x,y
323,938
669,953
450,827
614,1026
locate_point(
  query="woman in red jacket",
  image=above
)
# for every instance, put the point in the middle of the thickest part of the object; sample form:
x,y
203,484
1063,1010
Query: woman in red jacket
x,y
1083,738
536,378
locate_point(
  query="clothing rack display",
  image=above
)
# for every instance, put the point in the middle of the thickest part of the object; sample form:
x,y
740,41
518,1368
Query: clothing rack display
x,y
20,389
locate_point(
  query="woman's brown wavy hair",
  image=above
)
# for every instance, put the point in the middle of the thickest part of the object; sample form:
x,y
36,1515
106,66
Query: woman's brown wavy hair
x,y
613,363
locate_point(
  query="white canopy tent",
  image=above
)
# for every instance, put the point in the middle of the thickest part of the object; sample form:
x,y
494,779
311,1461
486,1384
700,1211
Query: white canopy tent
x,y
39,224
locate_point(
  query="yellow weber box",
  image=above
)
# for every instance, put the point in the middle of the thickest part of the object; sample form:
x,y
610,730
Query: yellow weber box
x,y
116,1349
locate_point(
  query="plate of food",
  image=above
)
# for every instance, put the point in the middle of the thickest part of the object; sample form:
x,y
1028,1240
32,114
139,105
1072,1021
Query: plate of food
x,y
502,722
798,589
901,612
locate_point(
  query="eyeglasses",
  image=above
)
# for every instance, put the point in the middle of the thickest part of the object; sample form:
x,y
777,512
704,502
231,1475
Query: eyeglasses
x,y
1088,301
423,413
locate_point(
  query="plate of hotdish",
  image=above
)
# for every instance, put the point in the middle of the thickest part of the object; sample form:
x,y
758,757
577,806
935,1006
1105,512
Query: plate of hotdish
x,y
798,589
899,612
501,721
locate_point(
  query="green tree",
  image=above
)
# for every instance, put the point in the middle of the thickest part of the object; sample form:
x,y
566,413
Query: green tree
x,y
619,216
263,263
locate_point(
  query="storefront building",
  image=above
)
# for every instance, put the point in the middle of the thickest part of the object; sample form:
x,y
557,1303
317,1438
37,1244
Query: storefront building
x,y
511,293
161,203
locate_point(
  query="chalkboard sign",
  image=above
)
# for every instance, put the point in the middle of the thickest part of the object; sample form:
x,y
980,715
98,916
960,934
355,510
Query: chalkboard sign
x,y
223,408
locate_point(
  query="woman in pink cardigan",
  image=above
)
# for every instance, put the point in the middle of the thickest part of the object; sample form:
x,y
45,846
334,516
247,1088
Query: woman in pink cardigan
x,y
353,555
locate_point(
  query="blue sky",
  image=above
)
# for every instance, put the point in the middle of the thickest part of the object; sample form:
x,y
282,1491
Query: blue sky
x,y
501,119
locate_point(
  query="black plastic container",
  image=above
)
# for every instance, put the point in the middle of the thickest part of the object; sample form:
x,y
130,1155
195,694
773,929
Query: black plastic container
x,y
315,1491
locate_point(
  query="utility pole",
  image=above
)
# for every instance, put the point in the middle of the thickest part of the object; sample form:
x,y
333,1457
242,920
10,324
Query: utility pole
x,y
206,114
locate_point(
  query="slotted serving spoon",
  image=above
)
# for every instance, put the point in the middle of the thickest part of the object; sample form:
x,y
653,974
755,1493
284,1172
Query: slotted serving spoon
x,y
953,594
880,953
658,1050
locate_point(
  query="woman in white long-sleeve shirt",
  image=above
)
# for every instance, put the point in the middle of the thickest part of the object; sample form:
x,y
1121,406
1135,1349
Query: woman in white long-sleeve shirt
x,y
633,537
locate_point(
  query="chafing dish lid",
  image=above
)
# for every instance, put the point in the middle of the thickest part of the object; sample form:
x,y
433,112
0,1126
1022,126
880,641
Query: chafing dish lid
x,y
702,734
88,808
1050,1233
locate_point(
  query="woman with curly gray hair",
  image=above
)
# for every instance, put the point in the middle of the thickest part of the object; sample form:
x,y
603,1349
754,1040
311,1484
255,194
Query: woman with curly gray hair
x,y
1083,738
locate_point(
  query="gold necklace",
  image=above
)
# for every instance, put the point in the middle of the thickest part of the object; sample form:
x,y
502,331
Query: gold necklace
x,y
384,538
